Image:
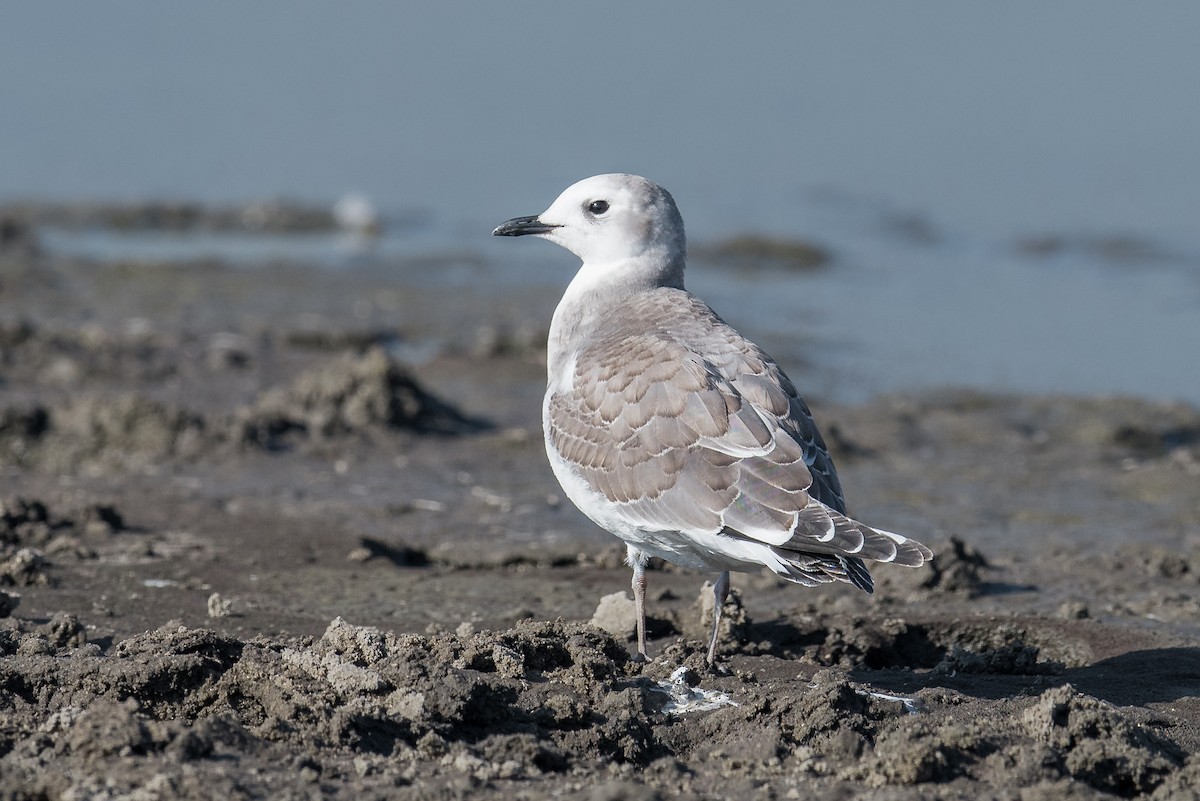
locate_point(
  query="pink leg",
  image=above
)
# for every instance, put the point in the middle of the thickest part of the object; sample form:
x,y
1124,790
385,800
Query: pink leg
x,y
720,593
637,561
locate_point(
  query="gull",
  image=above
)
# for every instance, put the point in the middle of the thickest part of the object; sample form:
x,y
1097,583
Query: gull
x,y
668,428
355,214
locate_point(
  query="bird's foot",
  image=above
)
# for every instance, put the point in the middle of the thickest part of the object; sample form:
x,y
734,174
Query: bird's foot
x,y
717,668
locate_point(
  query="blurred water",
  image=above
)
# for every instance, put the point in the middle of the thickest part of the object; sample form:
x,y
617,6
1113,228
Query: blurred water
x,y
919,143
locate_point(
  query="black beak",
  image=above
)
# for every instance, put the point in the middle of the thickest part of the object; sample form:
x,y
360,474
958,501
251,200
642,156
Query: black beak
x,y
521,226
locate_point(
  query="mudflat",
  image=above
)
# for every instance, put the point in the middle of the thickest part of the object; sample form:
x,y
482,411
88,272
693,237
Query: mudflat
x,y
291,533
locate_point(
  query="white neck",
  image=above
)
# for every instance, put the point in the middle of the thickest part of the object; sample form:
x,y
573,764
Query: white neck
x,y
596,292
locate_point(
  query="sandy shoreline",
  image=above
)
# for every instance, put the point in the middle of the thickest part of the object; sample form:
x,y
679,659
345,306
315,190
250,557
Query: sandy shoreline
x,y
259,556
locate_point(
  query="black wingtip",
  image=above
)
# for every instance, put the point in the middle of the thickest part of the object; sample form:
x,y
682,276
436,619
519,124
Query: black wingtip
x,y
856,571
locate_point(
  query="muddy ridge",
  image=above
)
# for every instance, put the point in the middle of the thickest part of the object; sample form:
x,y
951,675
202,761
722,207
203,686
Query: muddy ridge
x,y
290,533
372,712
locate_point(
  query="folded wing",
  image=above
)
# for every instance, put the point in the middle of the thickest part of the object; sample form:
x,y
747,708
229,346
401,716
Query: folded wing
x,y
721,445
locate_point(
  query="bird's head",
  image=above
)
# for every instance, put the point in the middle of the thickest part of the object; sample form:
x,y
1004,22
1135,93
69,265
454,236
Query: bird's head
x,y
610,219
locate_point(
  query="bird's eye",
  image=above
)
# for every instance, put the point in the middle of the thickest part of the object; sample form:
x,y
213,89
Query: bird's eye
x,y
598,207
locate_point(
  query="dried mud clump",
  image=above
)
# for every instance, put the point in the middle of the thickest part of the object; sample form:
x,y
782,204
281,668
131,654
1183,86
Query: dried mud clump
x,y
1093,743
130,430
23,568
125,432
9,601
1008,648
1170,436
757,252
957,571
1010,659
1062,737
948,647
156,215
67,357
21,429
852,642
358,395
366,713
353,395
1149,442
517,704
30,537
1153,561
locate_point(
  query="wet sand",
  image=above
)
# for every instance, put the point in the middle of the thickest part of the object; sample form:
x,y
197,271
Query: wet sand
x,y
291,534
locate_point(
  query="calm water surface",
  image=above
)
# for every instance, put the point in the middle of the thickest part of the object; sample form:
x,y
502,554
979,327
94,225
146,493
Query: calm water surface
x,y
920,144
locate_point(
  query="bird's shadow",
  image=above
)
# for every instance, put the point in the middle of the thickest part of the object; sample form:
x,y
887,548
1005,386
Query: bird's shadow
x,y
904,661
915,646
1136,678
1002,588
